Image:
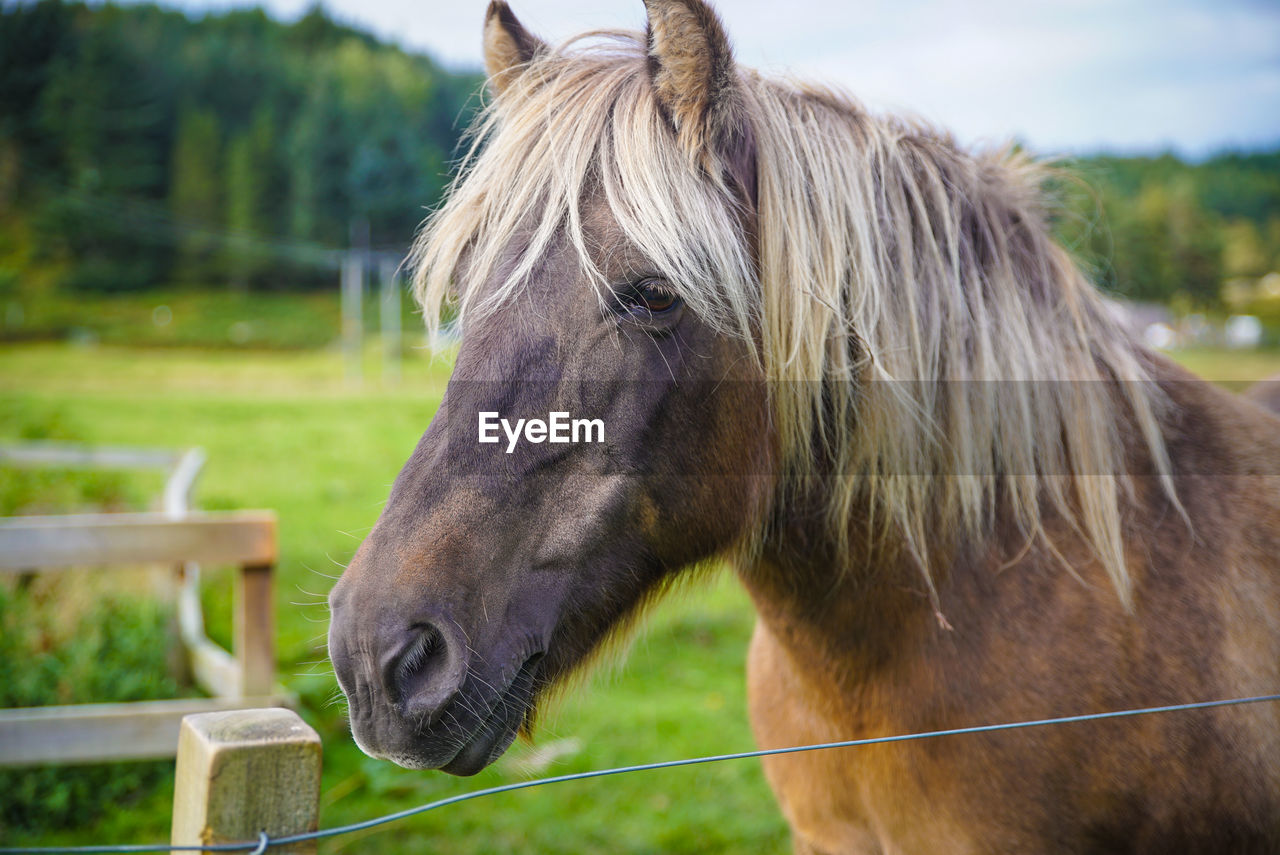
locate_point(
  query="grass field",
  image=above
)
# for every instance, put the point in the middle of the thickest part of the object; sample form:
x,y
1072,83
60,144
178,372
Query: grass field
x,y
283,431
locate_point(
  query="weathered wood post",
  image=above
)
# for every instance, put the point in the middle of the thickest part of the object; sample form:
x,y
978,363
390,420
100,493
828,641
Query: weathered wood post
x,y
255,630
389,314
353,315
243,772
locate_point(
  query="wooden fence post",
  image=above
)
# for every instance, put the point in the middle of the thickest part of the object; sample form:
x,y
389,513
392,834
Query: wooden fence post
x,y
389,314
243,772
353,315
255,630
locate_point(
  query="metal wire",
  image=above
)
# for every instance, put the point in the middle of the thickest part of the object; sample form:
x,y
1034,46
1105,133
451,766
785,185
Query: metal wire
x,y
263,842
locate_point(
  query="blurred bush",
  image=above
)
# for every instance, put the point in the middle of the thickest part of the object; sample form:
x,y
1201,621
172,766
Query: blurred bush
x,y
69,639
114,651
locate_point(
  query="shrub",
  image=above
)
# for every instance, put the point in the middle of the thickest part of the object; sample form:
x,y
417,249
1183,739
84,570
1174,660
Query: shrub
x,y
114,651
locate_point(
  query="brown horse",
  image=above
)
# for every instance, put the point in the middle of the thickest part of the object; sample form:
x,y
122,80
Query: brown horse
x,y
843,355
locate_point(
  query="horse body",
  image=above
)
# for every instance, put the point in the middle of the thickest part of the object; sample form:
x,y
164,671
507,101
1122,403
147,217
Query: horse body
x,y
843,355
1030,641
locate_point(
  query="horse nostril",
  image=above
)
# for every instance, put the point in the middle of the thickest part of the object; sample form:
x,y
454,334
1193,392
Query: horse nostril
x,y
424,674
415,659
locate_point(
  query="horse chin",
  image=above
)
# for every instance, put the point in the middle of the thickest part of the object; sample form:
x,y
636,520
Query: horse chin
x,y
482,749
463,758
499,729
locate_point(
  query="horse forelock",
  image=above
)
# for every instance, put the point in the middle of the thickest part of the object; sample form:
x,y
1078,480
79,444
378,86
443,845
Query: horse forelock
x,y
582,123
932,354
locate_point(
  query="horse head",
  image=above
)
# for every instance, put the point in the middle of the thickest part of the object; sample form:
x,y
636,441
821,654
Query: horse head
x,y
598,271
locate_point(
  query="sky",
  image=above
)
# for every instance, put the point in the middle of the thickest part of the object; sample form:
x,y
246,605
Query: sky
x,y
1062,76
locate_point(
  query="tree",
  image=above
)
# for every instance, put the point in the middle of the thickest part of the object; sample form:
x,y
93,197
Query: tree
x,y
254,190
320,155
195,196
32,36
102,116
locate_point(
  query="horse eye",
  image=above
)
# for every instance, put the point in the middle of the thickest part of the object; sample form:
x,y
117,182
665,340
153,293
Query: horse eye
x,y
652,297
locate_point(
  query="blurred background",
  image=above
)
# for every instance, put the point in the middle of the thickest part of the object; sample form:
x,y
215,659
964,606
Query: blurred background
x,y
202,211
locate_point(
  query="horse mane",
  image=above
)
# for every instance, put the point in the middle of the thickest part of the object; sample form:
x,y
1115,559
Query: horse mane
x,y
932,355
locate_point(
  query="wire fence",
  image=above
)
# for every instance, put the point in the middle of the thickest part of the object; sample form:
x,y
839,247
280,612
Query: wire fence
x,y
265,842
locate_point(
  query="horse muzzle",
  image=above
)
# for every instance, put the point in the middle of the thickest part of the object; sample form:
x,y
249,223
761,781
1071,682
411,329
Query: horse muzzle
x,y
421,697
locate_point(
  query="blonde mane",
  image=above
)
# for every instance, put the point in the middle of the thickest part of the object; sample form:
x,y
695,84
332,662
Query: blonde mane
x,y
931,354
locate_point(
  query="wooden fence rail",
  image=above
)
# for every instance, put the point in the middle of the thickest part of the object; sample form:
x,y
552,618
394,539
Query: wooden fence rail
x,y
146,729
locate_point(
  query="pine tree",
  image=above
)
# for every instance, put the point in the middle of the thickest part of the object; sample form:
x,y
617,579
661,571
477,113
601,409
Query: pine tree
x,y
195,196
253,194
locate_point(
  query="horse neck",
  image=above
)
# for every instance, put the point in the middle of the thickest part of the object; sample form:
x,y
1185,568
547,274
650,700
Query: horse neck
x,y
861,606
845,614
870,607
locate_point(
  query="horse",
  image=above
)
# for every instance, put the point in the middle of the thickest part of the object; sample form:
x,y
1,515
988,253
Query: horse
x,y
841,354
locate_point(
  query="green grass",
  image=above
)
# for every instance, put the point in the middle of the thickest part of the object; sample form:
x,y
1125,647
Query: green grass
x,y
283,431
54,650
187,318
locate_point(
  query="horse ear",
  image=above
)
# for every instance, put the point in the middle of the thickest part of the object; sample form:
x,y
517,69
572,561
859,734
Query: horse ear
x,y
693,73
691,65
508,46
